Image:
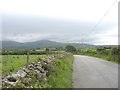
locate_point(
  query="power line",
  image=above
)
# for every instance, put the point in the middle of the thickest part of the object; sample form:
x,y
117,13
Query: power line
x,y
101,19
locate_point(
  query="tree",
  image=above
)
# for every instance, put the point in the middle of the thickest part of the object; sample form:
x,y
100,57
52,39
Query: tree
x,y
70,48
47,50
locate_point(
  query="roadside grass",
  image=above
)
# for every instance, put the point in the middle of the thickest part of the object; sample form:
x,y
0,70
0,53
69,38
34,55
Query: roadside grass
x,y
61,75
12,63
0,65
112,58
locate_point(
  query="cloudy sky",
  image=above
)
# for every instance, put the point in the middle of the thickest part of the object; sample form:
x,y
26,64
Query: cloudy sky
x,y
61,20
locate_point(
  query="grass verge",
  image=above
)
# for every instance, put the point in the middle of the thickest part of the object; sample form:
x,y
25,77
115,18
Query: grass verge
x,y
113,58
61,75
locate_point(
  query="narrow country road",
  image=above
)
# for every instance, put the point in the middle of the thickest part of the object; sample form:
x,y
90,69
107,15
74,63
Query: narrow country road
x,y
90,72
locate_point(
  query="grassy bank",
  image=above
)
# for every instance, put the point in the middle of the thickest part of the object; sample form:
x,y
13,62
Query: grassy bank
x,y
106,55
61,75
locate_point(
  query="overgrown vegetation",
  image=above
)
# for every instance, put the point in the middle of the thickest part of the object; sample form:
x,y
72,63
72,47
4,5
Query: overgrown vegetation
x,y
107,53
61,74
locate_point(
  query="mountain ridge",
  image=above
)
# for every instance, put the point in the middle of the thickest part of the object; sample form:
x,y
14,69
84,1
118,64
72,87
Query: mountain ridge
x,y
40,44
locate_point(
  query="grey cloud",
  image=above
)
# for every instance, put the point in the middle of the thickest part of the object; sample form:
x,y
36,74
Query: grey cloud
x,y
28,28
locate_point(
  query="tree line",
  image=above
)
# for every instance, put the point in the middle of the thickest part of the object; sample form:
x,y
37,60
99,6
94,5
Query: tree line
x,y
24,52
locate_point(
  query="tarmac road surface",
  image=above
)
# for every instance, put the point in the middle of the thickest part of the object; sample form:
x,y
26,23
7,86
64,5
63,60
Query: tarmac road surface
x,y
91,72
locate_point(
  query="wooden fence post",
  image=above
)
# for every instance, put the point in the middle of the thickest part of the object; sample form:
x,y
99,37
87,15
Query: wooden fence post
x,y
27,59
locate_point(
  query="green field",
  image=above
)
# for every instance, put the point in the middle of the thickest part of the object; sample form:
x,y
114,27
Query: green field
x,y
12,63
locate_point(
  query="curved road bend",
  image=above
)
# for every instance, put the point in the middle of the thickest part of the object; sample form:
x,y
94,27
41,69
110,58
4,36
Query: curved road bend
x,y
91,72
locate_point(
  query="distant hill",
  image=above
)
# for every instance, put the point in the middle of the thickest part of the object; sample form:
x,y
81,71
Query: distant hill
x,y
11,44
40,44
81,46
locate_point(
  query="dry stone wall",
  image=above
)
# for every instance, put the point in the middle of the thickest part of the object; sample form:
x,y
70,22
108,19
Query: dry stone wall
x,y
31,76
